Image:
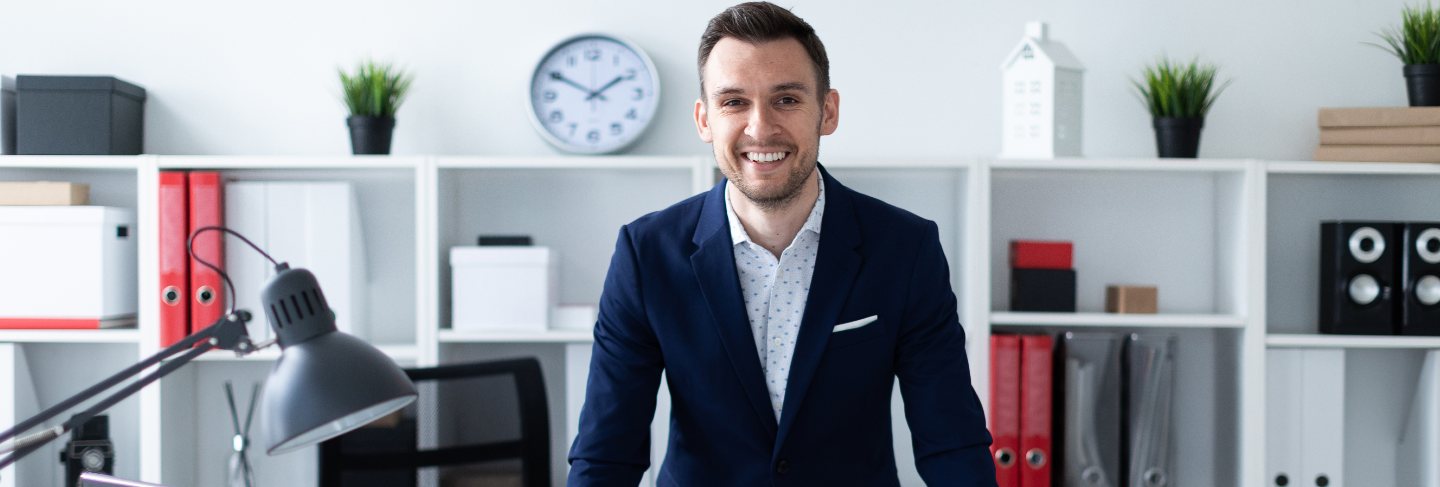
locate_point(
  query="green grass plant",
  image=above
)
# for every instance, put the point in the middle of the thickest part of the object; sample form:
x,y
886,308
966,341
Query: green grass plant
x,y
1182,90
1417,39
374,89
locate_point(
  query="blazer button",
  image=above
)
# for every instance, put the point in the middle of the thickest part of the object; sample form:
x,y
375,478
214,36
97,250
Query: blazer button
x,y
782,466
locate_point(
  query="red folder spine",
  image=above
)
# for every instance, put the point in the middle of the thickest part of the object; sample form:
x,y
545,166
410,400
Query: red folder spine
x,y
174,227
1034,254
207,290
1005,408
1036,358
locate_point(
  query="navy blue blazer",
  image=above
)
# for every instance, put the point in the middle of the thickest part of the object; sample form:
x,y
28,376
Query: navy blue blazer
x,y
672,304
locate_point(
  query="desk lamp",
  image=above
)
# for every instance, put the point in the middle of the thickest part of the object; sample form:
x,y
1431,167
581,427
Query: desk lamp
x,y
325,383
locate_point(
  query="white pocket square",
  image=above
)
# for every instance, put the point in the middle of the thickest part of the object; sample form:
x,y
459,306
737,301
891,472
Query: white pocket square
x,y
855,324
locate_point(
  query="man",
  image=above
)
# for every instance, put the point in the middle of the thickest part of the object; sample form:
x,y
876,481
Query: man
x,y
780,305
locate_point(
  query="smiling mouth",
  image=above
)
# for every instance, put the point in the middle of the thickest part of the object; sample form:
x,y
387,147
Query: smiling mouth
x,y
765,157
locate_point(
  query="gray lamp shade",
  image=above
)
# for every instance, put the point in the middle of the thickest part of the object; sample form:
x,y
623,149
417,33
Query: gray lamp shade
x,y
326,383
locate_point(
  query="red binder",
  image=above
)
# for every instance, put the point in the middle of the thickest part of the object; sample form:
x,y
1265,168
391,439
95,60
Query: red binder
x,y
1005,408
174,227
207,290
1036,357
1035,254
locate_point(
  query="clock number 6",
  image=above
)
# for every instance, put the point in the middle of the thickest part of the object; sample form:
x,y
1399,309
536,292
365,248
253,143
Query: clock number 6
x,y
593,136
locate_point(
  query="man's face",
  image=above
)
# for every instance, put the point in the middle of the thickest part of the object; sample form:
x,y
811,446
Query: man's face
x,y
763,115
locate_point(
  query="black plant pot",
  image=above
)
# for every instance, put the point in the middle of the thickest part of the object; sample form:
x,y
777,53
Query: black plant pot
x,y
1178,137
1422,83
370,135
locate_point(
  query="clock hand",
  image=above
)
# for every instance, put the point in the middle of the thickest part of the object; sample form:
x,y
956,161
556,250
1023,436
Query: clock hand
x,y
607,86
555,75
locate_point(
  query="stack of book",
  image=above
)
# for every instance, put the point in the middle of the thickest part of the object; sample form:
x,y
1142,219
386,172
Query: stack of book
x,y
1386,134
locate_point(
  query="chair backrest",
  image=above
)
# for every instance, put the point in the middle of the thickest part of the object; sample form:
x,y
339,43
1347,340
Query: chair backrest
x,y
532,449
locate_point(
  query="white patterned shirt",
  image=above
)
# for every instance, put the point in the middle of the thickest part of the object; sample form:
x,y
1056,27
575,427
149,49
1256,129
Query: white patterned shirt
x,y
775,291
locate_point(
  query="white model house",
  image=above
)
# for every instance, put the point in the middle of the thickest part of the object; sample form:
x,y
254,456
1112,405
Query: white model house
x,y
1042,98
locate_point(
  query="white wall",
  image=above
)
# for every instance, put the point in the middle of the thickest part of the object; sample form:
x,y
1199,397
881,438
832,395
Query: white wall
x,y
917,78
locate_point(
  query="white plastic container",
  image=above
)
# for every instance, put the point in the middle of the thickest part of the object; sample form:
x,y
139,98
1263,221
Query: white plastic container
x,y
502,288
67,267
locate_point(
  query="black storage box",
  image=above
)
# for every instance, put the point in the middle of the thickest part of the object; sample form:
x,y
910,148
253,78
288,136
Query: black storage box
x,y
1042,290
90,115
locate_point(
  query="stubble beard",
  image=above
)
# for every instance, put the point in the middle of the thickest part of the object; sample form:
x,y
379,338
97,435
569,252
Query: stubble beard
x,y
779,197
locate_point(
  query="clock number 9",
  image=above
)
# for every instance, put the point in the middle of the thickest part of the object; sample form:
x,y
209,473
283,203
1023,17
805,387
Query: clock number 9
x,y
549,96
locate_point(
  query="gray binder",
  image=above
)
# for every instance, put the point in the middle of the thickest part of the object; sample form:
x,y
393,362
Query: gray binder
x,y
1149,391
1090,424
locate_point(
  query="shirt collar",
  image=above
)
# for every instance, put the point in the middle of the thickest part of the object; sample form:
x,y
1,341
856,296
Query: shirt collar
x,y
812,223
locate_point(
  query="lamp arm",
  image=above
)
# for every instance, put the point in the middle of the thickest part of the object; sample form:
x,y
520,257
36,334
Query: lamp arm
x,y
228,333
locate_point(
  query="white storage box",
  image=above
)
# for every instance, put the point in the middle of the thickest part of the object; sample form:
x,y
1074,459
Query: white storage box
x,y
67,267
502,288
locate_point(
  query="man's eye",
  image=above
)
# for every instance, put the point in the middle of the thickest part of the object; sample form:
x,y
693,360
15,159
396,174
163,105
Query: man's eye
x,y
731,103
788,101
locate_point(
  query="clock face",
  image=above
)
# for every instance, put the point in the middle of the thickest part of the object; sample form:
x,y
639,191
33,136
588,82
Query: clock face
x,y
593,94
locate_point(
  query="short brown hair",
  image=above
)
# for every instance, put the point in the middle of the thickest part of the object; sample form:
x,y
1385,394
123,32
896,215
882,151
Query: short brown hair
x,y
757,22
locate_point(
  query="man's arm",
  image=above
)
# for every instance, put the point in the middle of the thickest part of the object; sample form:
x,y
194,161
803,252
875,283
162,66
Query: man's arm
x,y
613,444
947,423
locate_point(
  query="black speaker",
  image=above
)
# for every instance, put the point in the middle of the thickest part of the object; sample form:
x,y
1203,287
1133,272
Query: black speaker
x,y
1420,280
1358,265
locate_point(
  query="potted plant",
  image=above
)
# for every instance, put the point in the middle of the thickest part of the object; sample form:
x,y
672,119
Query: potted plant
x,y
1178,96
1417,43
373,92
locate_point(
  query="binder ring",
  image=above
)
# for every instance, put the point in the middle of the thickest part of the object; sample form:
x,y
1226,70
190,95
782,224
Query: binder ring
x,y
1004,457
204,295
170,295
1422,245
1035,458
1357,245
1155,478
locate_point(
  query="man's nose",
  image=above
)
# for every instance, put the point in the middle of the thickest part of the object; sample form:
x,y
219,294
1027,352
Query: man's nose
x,y
761,124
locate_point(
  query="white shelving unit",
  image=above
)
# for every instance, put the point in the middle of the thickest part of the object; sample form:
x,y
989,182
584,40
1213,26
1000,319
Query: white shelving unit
x,y
1231,244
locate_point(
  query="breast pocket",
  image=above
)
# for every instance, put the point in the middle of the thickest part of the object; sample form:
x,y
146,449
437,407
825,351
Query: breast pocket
x,y
859,330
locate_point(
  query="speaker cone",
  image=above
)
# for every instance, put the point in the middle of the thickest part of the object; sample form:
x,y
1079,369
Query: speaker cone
x,y
1364,289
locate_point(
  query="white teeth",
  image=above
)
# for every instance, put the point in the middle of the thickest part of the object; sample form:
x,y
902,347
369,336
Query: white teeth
x,y
765,156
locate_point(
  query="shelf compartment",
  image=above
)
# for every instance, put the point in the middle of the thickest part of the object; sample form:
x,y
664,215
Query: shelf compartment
x,y
1296,204
1115,320
1183,229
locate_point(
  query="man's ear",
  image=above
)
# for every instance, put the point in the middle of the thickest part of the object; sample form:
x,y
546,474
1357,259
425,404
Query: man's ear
x,y
702,121
831,115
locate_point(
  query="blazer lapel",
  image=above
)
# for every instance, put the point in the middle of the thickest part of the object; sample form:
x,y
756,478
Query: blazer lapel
x,y
836,264
714,264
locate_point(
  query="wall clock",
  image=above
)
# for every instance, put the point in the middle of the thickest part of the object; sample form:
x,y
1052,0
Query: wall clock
x,y
593,94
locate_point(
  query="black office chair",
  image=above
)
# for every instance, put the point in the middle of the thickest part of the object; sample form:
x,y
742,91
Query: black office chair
x,y
388,456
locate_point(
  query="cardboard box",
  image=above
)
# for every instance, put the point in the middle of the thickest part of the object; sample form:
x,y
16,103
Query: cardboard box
x,y
502,288
94,115
43,193
67,267
1131,299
